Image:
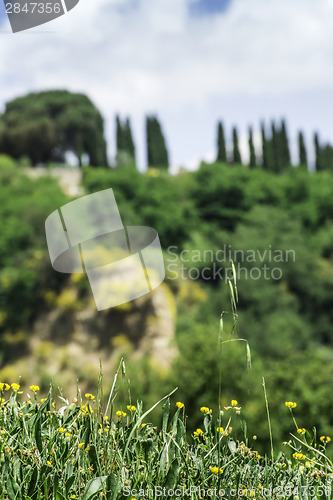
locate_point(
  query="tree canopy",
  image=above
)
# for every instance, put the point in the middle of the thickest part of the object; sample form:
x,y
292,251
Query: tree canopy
x,y
45,125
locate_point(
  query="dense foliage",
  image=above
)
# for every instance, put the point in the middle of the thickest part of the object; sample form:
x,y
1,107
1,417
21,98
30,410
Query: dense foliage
x,y
82,449
286,317
44,126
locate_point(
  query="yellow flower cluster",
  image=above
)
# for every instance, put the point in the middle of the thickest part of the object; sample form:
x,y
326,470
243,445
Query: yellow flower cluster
x,y
121,413
15,387
325,439
222,431
131,407
86,409
301,431
34,388
179,404
216,470
205,410
89,396
4,386
299,456
198,432
290,404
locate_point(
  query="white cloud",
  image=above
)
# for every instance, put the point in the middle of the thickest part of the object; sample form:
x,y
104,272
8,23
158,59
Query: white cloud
x,y
144,56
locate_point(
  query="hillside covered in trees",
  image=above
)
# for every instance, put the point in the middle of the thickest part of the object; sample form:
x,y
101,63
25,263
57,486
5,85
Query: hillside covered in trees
x,y
269,216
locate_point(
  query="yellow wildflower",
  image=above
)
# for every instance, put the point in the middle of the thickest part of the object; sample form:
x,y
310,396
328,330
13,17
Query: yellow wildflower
x,y
2,401
34,388
89,396
48,462
216,470
205,410
81,445
325,439
120,413
131,407
290,404
42,400
4,386
299,456
61,430
198,432
15,387
179,404
301,431
234,402
68,434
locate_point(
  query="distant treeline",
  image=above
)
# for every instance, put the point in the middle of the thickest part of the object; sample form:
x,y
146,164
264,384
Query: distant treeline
x,y
42,127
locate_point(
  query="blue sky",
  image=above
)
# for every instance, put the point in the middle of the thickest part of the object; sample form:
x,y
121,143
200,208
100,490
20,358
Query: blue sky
x,y
191,62
202,7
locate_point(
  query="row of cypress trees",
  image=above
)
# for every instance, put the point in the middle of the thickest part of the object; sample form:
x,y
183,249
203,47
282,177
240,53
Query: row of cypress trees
x,y
157,153
274,155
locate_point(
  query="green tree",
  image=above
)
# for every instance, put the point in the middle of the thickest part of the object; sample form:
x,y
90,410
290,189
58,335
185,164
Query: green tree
x,y
253,159
45,125
157,154
236,153
285,153
276,147
303,159
318,161
267,153
125,143
221,148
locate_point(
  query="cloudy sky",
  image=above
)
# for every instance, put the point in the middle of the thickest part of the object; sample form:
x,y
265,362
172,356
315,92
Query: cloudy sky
x,y
192,62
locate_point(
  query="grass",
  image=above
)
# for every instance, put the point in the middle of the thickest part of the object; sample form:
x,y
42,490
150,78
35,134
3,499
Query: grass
x,y
76,451
84,449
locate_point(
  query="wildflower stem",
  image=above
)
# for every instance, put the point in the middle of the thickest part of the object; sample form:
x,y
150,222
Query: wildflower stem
x,y
268,419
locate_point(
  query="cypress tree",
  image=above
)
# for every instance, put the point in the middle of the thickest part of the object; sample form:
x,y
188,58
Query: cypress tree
x,y
129,143
253,160
276,148
125,143
285,153
267,150
318,161
236,153
221,148
303,159
120,139
157,154
264,147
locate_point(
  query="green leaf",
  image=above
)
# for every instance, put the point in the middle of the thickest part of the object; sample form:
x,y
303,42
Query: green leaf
x,y
172,476
12,488
163,460
38,432
94,486
113,486
69,483
166,413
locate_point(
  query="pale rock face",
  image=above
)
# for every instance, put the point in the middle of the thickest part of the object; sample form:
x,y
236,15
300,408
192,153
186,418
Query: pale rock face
x,y
64,343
